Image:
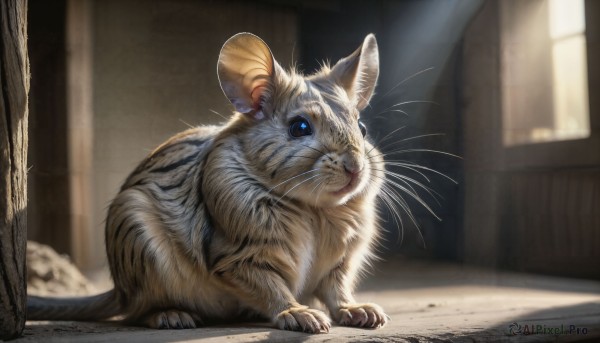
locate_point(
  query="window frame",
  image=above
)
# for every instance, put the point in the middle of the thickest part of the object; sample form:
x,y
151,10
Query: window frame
x,y
583,152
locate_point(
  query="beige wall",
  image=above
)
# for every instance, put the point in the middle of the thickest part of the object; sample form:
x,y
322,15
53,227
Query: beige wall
x,y
155,70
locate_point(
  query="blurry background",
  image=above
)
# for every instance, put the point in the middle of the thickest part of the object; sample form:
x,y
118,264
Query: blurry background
x,y
511,85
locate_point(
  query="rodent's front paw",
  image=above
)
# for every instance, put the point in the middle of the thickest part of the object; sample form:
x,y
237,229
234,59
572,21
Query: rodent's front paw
x,y
173,319
303,319
362,315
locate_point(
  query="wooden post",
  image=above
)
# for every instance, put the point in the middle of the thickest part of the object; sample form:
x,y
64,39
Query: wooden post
x,y
14,82
80,132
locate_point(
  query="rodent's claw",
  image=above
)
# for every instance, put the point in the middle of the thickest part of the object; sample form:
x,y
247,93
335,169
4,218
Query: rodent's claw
x,y
362,315
303,319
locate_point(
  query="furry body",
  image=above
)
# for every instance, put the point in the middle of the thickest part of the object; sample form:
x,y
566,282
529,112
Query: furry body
x,y
225,221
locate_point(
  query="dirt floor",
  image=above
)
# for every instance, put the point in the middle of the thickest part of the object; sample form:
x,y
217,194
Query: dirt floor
x,y
427,303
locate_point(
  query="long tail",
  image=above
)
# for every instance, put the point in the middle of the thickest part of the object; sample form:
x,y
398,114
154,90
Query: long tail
x,y
97,307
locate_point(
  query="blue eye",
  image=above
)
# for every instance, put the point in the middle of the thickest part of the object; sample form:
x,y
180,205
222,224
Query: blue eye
x,y
363,128
300,127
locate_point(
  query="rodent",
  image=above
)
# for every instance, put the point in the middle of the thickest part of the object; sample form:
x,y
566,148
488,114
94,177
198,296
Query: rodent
x,y
256,217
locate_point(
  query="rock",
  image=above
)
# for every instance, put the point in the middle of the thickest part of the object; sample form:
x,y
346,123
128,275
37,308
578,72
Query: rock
x,y
51,274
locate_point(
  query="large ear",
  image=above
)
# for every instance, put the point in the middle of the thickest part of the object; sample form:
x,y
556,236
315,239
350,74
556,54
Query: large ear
x,y
358,73
246,70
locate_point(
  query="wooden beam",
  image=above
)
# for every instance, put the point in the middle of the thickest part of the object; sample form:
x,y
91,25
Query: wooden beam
x,y
14,82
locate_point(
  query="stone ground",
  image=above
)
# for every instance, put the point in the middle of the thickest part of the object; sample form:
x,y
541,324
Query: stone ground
x,y
427,303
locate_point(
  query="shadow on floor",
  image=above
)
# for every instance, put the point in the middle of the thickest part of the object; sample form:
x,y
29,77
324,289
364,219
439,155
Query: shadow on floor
x,y
577,323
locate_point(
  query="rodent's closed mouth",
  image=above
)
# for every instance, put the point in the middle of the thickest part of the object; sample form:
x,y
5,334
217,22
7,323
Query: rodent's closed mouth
x,y
350,186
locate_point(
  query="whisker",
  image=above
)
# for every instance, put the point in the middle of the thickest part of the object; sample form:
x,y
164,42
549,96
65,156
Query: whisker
x,y
384,138
400,201
397,198
401,151
291,178
407,180
409,139
416,197
390,192
298,184
385,197
315,187
422,136
414,170
409,165
411,102
186,124
219,114
319,193
402,82
379,114
273,163
413,195
315,149
386,172
311,158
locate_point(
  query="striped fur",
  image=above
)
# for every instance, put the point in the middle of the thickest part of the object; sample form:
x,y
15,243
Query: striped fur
x,y
222,222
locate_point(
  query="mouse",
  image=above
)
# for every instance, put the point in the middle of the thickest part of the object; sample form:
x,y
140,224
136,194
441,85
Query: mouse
x,y
263,216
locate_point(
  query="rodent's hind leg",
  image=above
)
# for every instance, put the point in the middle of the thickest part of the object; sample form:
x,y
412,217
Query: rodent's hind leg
x,y
171,319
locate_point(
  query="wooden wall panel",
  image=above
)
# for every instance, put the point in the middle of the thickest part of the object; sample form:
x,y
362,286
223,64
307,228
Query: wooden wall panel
x,y
49,195
552,222
536,207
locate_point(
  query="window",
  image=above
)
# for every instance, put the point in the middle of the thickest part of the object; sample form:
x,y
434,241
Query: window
x,y
544,71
